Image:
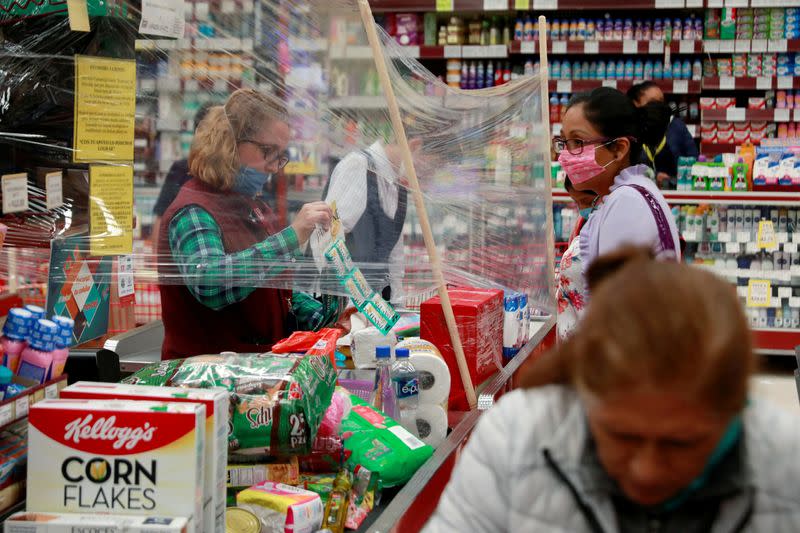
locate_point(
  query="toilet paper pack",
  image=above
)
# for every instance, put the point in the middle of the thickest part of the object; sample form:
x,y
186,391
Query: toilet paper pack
x,y
117,457
216,427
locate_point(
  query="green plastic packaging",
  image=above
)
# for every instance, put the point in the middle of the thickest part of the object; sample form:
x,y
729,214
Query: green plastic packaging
x,y
277,401
381,445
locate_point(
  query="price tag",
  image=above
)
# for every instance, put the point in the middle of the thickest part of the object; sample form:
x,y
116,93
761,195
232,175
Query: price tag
x,y
727,83
497,51
687,47
783,115
165,17
6,414
630,47
21,405
669,4
763,83
781,237
564,86
743,237
785,82
794,301
759,45
545,5
15,193
656,47
784,292
125,276
766,235
444,5
452,51
735,114
51,391
716,3
495,5
527,47
742,46
797,115
724,236
732,247
680,86
759,293
711,46
522,5
54,187
559,47
751,248
690,236
790,247
591,47
694,3
736,3
473,51
727,46
610,83
778,45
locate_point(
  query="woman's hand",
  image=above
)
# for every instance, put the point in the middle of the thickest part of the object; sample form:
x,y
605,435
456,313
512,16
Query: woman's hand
x,y
309,216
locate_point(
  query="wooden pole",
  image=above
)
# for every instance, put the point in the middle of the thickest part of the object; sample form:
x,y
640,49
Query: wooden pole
x,y
548,182
419,202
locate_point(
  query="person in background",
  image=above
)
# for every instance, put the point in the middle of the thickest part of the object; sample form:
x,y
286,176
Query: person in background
x,y
649,427
219,243
677,142
178,175
371,201
571,287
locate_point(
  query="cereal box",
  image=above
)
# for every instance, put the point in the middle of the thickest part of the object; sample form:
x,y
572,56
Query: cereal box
x,y
93,523
117,457
216,402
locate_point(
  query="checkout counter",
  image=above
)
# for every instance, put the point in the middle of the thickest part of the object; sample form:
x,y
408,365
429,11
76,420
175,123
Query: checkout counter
x,y
403,510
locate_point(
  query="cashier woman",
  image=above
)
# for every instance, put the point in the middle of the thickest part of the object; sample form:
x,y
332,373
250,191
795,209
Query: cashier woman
x,y
219,243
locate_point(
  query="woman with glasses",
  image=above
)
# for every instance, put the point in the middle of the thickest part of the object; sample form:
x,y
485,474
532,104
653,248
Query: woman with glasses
x,y
219,244
600,150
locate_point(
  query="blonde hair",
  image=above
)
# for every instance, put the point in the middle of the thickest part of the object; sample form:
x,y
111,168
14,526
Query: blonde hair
x,y
214,157
662,325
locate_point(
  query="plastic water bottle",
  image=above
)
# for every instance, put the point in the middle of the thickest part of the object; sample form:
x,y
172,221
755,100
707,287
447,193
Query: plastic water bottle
x,y
383,397
406,385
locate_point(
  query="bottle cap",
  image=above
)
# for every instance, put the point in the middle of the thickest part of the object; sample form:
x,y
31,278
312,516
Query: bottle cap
x,y
18,324
5,375
401,353
65,327
37,311
383,352
44,335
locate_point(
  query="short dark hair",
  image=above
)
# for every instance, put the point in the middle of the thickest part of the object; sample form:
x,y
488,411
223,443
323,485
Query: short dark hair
x,y
615,116
636,92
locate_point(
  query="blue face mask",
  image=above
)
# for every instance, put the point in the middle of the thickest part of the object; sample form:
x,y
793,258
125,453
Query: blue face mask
x,y
250,181
586,212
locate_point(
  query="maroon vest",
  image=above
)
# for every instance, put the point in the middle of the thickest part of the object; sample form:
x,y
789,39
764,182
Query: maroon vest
x,y
191,328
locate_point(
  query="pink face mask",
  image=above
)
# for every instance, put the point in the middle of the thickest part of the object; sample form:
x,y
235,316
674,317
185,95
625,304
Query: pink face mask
x,y
582,168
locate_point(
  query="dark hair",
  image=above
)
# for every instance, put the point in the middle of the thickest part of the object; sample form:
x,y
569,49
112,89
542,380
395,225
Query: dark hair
x,y
201,113
638,90
615,116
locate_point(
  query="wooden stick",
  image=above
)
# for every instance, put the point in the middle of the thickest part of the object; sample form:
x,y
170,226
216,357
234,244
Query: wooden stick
x,y
436,263
548,180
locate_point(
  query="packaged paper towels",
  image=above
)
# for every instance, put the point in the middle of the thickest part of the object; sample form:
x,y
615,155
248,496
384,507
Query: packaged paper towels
x,y
434,378
364,343
431,424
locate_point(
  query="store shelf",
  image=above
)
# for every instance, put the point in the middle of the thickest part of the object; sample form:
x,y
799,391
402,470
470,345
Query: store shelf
x,y
713,149
628,47
741,114
746,46
724,198
752,84
668,86
14,409
394,6
776,341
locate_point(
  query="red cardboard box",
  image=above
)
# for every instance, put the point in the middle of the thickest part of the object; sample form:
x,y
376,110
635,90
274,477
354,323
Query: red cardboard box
x,y
479,315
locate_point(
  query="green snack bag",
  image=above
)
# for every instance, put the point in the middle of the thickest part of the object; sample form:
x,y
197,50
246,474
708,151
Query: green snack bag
x,y
277,401
381,445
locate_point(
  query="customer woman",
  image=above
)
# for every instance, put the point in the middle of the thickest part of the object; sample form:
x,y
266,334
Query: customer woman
x,y
600,150
219,245
653,431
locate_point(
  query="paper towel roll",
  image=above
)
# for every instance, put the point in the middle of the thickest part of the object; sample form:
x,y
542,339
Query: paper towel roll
x,y
364,343
431,424
434,378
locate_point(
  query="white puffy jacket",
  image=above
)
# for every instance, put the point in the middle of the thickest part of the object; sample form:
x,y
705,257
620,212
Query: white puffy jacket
x,y
503,482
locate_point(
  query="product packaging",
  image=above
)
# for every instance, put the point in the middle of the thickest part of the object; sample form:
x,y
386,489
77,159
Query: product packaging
x,y
282,507
36,522
120,457
216,427
276,401
247,475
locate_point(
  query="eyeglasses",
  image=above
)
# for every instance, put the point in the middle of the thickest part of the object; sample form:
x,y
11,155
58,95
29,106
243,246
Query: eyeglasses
x,y
574,146
270,152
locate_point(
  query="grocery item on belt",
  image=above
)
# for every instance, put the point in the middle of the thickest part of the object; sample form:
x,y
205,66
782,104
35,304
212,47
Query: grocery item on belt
x,y
381,445
118,457
282,508
241,521
243,476
30,522
276,401
216,424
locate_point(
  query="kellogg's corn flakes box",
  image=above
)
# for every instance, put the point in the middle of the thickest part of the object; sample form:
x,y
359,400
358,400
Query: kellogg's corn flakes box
x,y
117,457
216,402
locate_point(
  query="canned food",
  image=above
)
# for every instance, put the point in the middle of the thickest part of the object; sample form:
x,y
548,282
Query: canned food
x,y
241,521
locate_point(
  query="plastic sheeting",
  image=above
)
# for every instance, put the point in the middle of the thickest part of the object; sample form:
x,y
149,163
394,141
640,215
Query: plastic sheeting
x,y
307,96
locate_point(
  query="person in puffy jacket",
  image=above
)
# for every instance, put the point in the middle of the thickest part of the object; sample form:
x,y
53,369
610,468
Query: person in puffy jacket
x,y
651,430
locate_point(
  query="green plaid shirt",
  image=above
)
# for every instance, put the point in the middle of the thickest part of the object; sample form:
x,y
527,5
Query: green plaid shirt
x,y
217,279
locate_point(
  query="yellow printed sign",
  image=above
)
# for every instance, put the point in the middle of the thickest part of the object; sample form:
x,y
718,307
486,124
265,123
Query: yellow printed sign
x,y
111,209
759,293
766,235
444,5
105,109
522,5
